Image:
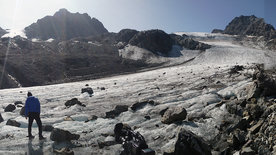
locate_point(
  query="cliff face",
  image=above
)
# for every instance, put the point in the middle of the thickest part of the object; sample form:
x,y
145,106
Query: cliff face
x,y
64,25
250,25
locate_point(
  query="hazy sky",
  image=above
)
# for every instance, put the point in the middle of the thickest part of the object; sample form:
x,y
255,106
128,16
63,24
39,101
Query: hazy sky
x,y
169,15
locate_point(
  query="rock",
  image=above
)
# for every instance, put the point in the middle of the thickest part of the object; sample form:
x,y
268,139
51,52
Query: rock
x,y
253,91
64,25
60,135
189,143
236,69
1,118
250,25
10,108
174,114
247,151
162,112
48,128
254,129
147,117
189,43
217,31
156,41
254,110
91,118
139,105
72,102
102,88
22,111
13,123
116,111
18,102
89,90
2,32
125,35
68,118
64,151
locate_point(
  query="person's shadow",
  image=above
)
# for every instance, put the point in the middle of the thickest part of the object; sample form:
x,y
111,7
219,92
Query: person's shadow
x,y
37,151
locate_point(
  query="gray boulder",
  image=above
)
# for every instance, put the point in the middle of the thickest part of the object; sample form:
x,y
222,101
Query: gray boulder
x,y
72,102
89,90
13,123
1,118
60,135
174,114
116,111
22,111
10,108
189,143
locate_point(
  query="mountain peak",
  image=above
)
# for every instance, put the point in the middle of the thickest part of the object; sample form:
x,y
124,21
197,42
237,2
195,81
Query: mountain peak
x,y
62,11
64,25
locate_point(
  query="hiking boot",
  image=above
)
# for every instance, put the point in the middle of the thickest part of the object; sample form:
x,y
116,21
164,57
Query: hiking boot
x,y
41,138
31,137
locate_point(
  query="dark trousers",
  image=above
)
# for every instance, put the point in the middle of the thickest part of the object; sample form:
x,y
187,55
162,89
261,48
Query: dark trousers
x,y
34,116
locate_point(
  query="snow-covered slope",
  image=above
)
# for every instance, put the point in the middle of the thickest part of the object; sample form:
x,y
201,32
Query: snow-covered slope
x,y
197,85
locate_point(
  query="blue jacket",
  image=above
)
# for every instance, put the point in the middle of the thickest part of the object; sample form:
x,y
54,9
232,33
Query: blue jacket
x,y
32,104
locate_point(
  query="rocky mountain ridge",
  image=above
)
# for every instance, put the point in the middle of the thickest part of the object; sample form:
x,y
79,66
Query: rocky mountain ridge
x,y
64,25
2,32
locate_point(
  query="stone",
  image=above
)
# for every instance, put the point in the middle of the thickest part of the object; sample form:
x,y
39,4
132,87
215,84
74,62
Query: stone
x,y
254,110
91,118
189,143
254,129
48,128
10,108
13,123
68,118
72,102
89,90
139,105
1,118
22,111
247,151
116,111
18,102
60,135
174,114
162,112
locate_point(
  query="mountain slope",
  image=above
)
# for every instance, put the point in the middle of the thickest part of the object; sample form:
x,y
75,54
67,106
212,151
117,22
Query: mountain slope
x,y
64,25
2,32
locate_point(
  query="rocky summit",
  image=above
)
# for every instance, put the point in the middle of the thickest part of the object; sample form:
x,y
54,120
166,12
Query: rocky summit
x,y
64,25
250,25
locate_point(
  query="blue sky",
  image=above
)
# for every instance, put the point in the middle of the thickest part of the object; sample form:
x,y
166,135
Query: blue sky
x,y
168,15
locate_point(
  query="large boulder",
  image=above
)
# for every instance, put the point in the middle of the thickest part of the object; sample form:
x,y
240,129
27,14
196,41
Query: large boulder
x,y
156,41
174,114
22,111
10,108
1,118
48,128
116,111
18,102
13,123
88,90
72,102
189,143
64,25
60,135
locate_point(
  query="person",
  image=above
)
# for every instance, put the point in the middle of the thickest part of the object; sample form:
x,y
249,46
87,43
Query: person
x,y
32,110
